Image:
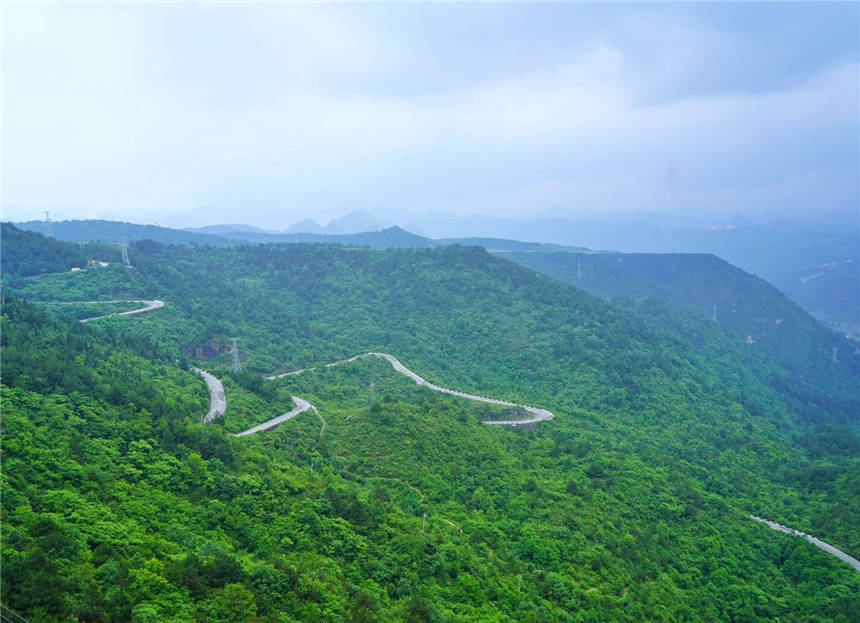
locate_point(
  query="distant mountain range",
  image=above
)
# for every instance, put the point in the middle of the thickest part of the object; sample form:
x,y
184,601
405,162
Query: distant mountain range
x,y
819,270
353,222
816,265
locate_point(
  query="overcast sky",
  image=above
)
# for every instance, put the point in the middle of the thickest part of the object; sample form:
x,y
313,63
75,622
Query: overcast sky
x,y
270,113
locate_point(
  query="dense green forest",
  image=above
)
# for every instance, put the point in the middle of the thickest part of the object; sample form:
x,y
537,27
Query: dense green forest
x,y
93,230
817,271
745,307
632,504
33,254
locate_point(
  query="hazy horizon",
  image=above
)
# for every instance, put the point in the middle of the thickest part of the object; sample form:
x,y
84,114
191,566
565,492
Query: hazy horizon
x,y
191,115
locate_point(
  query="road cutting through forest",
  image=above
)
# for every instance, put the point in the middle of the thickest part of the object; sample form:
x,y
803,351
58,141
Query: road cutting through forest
x,y
147,306
217,397
218,400
825,547
538,414
301,406
218,404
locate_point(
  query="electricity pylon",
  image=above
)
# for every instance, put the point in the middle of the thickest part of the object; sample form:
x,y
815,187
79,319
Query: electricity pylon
x,y
236,365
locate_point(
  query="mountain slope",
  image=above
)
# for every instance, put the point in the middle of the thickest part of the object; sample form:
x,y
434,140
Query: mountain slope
x,y
26,253
631,504
785,254
117,231
746,307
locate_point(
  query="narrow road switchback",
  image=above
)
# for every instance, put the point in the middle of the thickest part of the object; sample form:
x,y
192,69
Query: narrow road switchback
x,y
217,398
538,414
301,406
147,306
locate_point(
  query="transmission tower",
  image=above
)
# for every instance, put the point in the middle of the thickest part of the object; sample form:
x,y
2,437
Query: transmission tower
x,y
714,315
579,270
833,357
49,227
125,255
372,388
236,365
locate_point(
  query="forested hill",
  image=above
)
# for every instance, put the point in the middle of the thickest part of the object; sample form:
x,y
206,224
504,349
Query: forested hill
x,y
26,253
631,504
745,306
389,238
118,231
93,230
830,295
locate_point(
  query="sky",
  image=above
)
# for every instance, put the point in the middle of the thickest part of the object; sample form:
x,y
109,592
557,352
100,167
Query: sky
x,y
193,114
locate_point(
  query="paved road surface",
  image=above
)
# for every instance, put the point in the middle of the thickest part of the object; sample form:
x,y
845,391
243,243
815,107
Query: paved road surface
x,y
537,413
217,398
301,406
817,543
147,306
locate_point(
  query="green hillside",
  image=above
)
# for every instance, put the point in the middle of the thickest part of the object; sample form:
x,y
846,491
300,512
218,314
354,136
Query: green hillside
x,y
94,230
744,306
631,504
26,253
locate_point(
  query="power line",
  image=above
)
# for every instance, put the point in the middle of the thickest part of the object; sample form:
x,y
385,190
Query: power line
x,y
13,613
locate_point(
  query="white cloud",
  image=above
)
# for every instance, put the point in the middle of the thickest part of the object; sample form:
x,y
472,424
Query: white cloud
x,y
163,107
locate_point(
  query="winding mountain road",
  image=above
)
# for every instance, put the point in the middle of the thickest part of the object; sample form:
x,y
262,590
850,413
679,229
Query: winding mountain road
x,y
218,404
538,414
217,398
301,406
147,306
826,547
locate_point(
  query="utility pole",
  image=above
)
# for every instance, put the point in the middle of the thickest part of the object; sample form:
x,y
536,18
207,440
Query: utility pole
x,y
49,228
237,367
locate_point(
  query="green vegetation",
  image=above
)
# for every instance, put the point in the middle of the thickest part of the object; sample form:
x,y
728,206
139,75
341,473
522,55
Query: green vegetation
x,y
117,231
26,253
746,306
120,505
